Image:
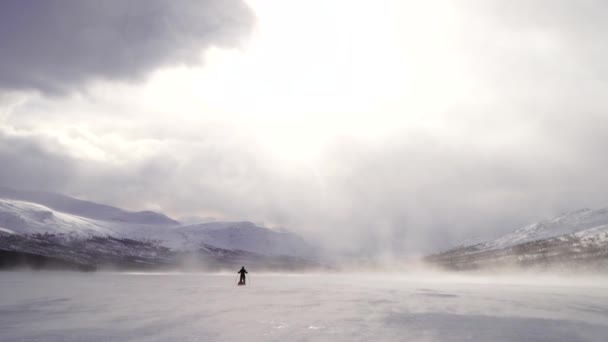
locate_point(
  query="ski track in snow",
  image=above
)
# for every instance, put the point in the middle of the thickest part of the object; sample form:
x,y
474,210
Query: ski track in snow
x,y
56,306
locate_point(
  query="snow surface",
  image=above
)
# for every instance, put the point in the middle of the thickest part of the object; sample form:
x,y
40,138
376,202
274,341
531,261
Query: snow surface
x,y
56,306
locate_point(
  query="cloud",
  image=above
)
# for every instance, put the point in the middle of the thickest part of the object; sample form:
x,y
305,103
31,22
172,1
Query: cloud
x,y
56,46
33,162
403,194
525,141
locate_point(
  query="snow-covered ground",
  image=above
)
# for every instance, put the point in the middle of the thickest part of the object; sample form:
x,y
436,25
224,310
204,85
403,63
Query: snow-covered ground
x,y
59,306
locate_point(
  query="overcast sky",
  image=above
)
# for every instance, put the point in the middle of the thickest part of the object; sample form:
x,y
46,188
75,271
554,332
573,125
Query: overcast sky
x,y
384,127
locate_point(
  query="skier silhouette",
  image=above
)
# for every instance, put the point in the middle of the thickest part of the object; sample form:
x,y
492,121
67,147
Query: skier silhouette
x,y
243,271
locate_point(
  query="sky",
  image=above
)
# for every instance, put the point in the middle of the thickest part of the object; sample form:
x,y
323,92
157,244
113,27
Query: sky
x,y
384,128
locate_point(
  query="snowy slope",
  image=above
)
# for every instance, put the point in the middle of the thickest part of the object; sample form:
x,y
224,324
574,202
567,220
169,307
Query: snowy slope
x,y
244,236
86,209
23,218
578,238
27,217
584,222
30,218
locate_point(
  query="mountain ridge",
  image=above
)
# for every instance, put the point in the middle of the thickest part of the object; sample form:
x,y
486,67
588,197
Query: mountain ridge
x,y
578,237
70,205
32,221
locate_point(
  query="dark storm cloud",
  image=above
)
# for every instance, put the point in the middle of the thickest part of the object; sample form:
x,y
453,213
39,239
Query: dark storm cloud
x,y
33,163
55,45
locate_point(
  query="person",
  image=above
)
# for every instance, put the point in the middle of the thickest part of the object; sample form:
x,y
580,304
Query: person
x,y
243,271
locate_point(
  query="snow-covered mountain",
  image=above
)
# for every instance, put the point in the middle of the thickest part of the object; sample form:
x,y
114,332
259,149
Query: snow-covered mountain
x,y
69,205
244,236
19,217
576,237
585,222
27,213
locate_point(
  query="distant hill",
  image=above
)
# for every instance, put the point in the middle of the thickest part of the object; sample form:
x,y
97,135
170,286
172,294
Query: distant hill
x,y
69,205
577,238
38,219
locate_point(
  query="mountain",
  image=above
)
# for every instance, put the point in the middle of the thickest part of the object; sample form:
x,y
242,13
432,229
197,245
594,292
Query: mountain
x,y
86,209
19,217
576,238
50,251
88,231
245,236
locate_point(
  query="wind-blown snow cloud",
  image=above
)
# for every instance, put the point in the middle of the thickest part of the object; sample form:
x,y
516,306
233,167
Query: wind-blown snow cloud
x,y
498,120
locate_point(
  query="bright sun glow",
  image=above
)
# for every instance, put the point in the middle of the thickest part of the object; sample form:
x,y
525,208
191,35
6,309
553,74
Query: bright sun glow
x,y
314,70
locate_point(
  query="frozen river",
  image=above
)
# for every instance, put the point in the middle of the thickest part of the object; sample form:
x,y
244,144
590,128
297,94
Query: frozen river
x,y
58,306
